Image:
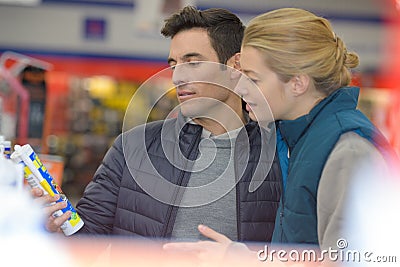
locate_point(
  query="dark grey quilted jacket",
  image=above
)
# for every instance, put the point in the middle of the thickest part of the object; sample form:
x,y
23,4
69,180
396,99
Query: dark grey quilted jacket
x,y
114,204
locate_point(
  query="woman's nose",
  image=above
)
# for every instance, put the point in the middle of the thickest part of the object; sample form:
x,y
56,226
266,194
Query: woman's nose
x,y
241,86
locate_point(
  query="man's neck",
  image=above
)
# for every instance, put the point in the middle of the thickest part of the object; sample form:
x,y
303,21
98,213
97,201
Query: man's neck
x,y
223,125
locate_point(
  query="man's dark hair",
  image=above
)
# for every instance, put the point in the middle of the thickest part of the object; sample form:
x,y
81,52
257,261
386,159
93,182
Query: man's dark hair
x,y
224,28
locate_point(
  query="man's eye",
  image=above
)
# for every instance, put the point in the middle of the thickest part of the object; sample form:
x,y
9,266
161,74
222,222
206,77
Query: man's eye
x,y
194,63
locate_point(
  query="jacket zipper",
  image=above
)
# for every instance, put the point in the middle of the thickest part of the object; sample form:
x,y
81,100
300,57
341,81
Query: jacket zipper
x,y
237,186
171,207
282,213
237,202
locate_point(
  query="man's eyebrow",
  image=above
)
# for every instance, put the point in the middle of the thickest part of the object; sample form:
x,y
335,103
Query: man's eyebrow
x,y
186,57
189,55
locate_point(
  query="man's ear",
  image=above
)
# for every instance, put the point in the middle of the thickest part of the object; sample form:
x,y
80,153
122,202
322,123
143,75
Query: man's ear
x,y
300,84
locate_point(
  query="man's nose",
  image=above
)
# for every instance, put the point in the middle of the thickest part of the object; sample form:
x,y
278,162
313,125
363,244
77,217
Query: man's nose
x,y
180,74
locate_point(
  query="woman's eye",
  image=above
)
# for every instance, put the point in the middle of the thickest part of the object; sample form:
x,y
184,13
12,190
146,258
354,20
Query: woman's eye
x,y
254,81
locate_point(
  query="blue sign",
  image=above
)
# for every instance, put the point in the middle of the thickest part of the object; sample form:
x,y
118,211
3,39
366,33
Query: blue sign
x,y
95,29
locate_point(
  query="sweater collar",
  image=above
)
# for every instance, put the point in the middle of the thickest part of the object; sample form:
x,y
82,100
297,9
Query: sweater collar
x,y
183,121
342,99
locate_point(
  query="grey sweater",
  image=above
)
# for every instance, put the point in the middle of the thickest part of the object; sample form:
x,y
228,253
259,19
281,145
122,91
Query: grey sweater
x,y
219,208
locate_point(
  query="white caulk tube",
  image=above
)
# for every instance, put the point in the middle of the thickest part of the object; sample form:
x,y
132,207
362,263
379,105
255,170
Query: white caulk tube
x,y
37,175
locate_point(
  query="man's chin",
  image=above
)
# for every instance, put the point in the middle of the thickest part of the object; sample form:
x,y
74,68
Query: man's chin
x,y
191,110
191,113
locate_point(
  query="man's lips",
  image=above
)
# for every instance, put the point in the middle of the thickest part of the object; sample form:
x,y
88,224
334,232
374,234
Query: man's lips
x,y
184,94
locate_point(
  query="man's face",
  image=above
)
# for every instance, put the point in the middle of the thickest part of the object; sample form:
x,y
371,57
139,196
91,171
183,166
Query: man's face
x,y
196,81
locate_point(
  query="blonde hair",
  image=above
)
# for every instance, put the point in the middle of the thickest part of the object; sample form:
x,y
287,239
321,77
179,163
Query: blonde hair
x,y
295,41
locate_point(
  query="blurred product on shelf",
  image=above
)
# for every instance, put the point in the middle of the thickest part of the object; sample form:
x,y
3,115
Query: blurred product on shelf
x,y
23,93
8,108
11,174
33,80
5,147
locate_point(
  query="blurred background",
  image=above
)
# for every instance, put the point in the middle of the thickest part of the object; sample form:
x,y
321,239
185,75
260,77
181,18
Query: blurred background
x,y
68,69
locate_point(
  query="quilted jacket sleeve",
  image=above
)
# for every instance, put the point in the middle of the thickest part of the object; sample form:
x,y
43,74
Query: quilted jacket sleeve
x,y
98,205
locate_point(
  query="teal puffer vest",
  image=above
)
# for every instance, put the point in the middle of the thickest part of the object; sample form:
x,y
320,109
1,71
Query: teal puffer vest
x,y
310,139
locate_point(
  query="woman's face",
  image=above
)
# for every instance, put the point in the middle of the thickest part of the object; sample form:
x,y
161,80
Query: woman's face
x,y
269,90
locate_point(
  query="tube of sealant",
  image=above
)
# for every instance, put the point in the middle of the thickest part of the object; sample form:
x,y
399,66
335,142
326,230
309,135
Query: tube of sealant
x,y
37,175
7,149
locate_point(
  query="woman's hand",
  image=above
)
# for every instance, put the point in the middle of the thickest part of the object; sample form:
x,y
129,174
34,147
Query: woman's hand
x,y
204,250
212,253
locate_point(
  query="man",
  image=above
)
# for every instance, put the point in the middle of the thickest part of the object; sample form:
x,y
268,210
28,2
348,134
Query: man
x,y
154,182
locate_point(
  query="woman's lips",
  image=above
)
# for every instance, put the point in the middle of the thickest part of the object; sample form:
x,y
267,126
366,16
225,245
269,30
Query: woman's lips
x,y
250,106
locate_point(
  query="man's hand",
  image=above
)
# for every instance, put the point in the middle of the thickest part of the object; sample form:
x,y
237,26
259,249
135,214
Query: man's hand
x,y
50,206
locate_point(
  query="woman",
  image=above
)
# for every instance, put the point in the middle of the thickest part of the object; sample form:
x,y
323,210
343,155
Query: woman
x,y
303,70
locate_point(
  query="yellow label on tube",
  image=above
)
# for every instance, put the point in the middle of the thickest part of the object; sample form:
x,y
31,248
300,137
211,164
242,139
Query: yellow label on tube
x,y
46,186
